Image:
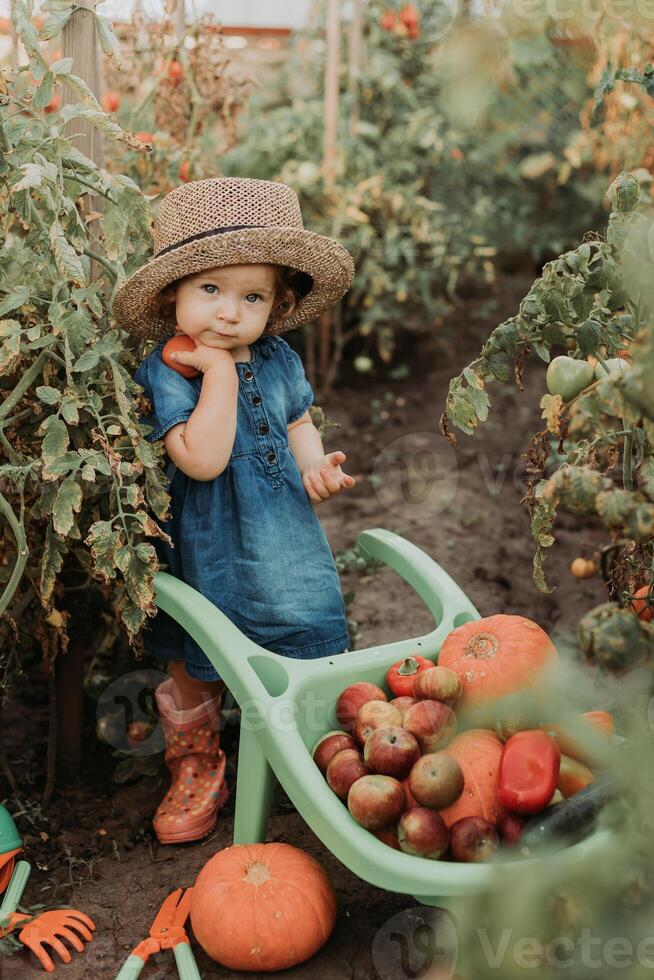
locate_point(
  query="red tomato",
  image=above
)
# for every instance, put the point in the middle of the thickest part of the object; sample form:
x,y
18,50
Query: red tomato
x,y
179,342
185,171
399,677
640,606
110,101
144,137
409,16
175,71
529,769
387,21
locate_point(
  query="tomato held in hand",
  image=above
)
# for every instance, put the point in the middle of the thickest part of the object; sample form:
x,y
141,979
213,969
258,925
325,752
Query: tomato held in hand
x,y
529,769
179,342
399,677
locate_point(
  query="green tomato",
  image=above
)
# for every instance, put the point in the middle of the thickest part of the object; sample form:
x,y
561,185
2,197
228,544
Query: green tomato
x,y
567,376
613,364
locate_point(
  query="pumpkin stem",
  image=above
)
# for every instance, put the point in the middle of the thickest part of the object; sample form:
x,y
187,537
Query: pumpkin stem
x,y
410,666
482,646
256,873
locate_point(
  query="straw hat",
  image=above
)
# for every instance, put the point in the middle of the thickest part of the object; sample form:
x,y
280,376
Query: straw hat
x,y
228,221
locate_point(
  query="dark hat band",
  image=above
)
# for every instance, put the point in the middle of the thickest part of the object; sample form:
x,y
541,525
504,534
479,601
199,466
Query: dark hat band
x,y
205,234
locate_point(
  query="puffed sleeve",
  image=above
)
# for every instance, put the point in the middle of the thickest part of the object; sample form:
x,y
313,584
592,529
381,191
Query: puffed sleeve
x,y
300,391
173,397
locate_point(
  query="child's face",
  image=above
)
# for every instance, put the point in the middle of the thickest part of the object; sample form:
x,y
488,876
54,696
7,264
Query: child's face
x,y
225,307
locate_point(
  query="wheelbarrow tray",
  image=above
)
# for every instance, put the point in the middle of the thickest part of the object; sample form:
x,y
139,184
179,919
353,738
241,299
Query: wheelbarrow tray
x,y
287,705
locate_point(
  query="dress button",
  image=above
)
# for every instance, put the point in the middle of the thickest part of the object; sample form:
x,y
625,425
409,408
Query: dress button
x,y
271,457
248,375
256,399
263,429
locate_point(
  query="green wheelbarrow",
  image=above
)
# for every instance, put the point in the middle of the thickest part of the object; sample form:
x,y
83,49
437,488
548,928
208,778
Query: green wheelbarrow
x,y
287,705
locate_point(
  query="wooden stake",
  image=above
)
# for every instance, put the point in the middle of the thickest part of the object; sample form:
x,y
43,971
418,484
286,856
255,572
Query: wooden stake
x,y
331,91
180,20
355,61
79,42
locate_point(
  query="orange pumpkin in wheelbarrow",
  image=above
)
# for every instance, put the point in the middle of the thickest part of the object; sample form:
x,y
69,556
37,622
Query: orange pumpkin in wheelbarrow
x,y
496,657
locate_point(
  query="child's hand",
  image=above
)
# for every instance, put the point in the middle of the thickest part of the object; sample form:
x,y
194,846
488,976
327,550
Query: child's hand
x,y
325,478
203,357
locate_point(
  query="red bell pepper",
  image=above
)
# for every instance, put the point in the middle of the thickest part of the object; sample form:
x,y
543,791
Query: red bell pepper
x,y
529,769
399,677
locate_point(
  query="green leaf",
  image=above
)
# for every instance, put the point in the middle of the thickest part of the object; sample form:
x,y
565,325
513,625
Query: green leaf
x,y
80,86
67,502
18,296
54,25
108,39
44,91
10,354
646,474
51,562
34,176
20,16
66,258
575,488
51,396
62,67
55,441
103,542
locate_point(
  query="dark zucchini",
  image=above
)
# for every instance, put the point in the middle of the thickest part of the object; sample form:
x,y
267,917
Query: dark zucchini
x,y
570,821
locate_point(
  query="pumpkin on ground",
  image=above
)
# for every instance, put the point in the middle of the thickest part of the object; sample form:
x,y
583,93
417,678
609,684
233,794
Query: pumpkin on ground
x,y
496,656
262,907
478,752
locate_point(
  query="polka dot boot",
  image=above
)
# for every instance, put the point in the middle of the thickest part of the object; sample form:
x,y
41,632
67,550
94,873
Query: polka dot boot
x,y
197,765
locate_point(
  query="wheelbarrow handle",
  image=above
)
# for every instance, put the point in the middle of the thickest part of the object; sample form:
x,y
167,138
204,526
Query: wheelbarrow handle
x,y
439,592
220,639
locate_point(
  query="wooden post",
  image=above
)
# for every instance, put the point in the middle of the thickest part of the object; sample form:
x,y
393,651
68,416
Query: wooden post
x,y
79,42
355,61
180,20
331,91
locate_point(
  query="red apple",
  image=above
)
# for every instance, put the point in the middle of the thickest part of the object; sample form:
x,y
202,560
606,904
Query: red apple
x,y
388,836
352,698
403,703
372,715
510,827
391,751
376,801
344,769
436,780
423,832
432,722
410,798
473,839
327,747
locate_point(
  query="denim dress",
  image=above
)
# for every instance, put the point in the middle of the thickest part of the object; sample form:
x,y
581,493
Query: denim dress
x,y
248,540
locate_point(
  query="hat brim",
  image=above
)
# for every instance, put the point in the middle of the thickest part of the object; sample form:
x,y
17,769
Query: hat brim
x,y
330,266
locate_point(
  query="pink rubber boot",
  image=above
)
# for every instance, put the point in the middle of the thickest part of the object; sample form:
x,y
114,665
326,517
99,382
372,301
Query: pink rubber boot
x,y
197,765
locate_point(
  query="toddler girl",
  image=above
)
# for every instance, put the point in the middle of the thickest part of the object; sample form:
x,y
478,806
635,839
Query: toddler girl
x,y
234,268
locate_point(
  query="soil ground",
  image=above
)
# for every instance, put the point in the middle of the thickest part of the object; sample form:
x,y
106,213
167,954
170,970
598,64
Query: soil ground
x,y
92,847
